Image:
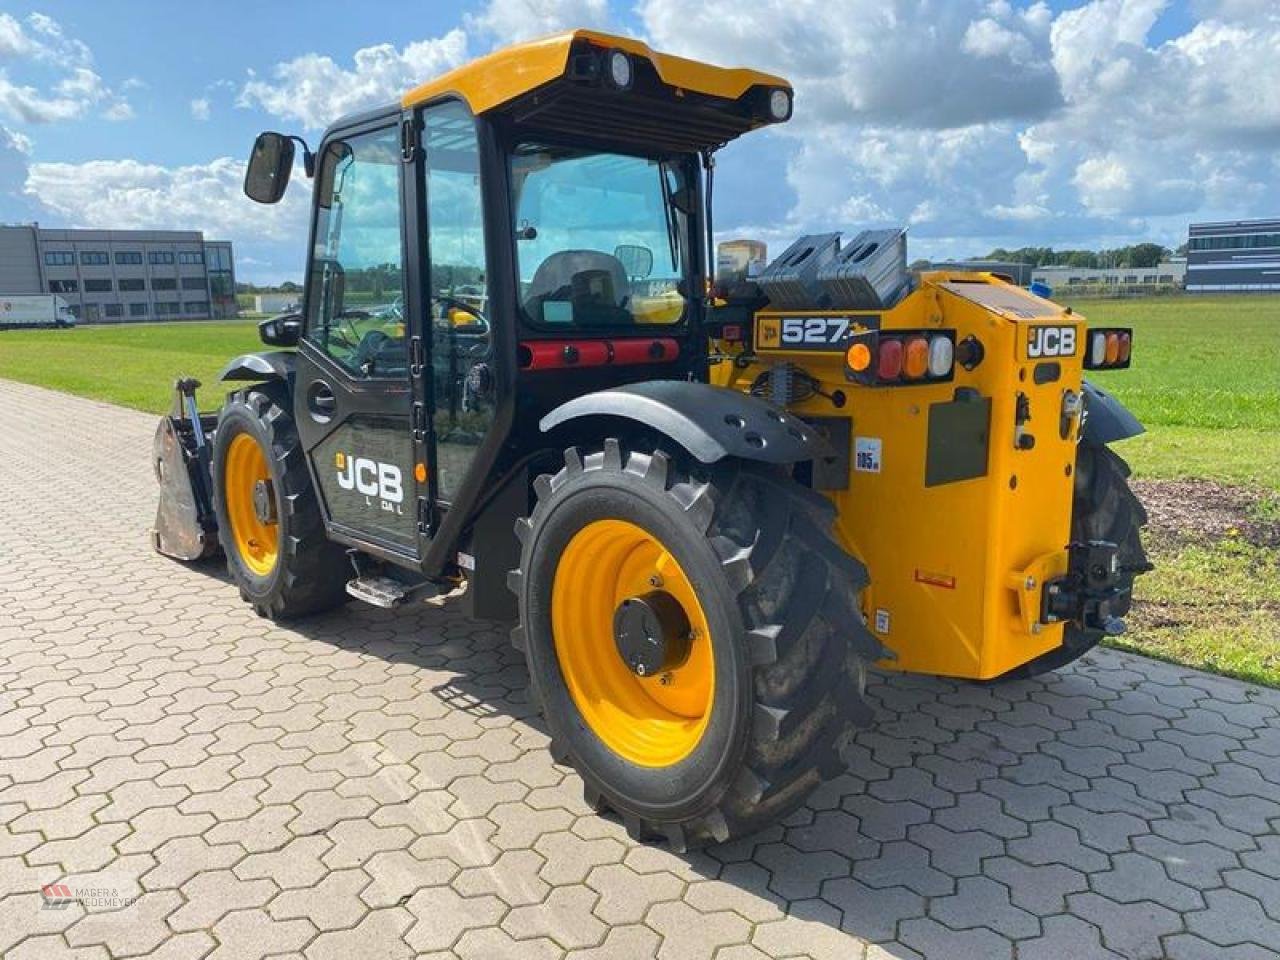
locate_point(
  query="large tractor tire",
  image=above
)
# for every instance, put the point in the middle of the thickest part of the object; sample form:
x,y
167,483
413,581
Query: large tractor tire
x,y
693,636
1104,508
269,521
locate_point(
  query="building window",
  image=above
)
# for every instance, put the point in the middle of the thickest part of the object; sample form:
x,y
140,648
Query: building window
x,y
164,283
193,283
191,257
59,258
113,309
197,308
167,308
94,258
132,284
97,285
159,257
218,258
137,309
64,286
1131,278
1166,278
129,258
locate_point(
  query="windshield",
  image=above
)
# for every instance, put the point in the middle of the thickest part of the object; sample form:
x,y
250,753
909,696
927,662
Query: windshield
x,y
600,237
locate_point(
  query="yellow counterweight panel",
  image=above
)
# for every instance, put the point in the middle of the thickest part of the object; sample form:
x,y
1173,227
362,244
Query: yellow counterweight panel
x,y
956,568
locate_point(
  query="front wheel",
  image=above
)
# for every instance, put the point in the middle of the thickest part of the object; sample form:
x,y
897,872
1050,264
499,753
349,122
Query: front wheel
x,y
269,521
694,637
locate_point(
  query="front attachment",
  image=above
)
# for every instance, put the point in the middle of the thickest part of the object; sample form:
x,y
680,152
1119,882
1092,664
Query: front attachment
x,y
185,528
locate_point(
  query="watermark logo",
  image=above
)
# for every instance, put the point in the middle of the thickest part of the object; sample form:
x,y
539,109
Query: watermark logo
x,y
57,896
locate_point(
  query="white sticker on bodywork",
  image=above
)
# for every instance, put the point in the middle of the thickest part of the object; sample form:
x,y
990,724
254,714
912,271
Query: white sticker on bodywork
x,y
866,454
882,620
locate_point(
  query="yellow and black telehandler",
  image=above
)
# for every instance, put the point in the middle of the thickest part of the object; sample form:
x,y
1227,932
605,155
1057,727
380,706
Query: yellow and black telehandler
x,y
705,509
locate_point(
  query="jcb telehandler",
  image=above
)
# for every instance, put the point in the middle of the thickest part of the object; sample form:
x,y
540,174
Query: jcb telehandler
x,y
705,510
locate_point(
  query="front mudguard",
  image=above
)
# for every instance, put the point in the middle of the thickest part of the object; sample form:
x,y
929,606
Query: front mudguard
x,y
260,367
1106,419
710,422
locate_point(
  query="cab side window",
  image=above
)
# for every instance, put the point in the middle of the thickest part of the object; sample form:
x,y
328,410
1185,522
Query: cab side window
x,y
356,301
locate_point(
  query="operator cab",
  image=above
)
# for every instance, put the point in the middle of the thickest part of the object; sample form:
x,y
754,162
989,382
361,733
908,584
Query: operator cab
x,y
539,211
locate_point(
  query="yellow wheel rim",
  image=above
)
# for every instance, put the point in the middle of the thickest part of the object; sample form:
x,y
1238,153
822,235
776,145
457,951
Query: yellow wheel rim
x,y
257,543
652,721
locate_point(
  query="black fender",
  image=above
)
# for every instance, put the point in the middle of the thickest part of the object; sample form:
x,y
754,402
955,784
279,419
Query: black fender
x,y
710,422
270,365
1106,418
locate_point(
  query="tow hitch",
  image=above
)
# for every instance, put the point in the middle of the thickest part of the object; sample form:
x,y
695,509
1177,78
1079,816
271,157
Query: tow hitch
x,y
1087,592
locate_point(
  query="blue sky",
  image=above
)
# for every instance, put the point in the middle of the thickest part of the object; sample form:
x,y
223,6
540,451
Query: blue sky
x,y
975,122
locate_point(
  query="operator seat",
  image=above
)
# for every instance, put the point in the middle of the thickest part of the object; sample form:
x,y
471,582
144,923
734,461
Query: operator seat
x,y
593,282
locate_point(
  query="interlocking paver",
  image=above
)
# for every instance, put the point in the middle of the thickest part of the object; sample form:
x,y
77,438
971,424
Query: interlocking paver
x,y
377,784
441,916
210,896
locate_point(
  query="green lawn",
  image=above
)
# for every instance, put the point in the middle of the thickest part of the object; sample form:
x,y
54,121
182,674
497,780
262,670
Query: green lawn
x,y
132,365
1205,381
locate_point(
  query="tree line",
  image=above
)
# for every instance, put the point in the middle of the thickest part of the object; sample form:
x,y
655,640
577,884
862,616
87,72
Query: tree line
x,y
1138,255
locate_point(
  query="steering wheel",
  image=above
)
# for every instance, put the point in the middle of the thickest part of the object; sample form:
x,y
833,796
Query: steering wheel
x,y
351,316
370,349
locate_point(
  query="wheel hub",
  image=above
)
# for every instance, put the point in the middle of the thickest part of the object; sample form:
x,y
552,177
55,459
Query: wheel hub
x,y
652,633
264,501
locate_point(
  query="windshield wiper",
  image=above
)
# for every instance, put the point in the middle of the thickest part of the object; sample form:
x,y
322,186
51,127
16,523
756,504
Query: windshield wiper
x,y
668,210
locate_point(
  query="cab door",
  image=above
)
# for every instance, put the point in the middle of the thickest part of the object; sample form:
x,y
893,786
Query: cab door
x,y
458,325
353,394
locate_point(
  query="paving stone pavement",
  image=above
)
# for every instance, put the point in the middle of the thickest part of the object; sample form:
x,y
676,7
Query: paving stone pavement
x,y
369,784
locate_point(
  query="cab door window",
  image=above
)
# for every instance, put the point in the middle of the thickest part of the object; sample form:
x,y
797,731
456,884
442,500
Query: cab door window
x,y
356,301
461,345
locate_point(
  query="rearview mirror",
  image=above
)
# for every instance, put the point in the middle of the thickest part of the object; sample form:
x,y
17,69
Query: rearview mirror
x,y
636,260
269,168
282,331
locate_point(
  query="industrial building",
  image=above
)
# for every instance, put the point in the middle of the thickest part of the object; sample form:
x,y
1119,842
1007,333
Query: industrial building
x,y
1167,275
121,276
1233,256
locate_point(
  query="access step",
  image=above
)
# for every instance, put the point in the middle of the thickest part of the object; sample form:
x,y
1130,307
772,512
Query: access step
x,y
382,592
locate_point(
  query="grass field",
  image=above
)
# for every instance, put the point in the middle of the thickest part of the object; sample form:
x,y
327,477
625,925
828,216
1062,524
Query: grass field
x,y
132,365
1205,380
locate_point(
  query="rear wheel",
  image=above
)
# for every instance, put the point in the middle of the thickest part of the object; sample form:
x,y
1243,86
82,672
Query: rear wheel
x,y
694,637
269,521
1104,508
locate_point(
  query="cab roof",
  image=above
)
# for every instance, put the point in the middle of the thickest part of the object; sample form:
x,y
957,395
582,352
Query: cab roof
x,y
499,77
676,103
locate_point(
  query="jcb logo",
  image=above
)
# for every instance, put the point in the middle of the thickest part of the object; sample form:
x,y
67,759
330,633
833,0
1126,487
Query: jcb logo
x,y
1051,342
370,477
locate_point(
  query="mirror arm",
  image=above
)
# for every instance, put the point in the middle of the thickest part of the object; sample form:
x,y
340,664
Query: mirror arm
x,y
308,158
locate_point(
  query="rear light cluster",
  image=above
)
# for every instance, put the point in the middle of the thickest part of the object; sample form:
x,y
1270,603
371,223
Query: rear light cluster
x,y
876,357
1109,348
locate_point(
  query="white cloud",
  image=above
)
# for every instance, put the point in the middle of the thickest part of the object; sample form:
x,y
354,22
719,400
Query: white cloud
x,y
1002,122
79,88
896,63
129,195
132,195
314,90
200,108
510,20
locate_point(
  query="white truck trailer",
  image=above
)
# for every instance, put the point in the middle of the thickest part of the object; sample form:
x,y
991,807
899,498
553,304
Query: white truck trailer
x,y
34,310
